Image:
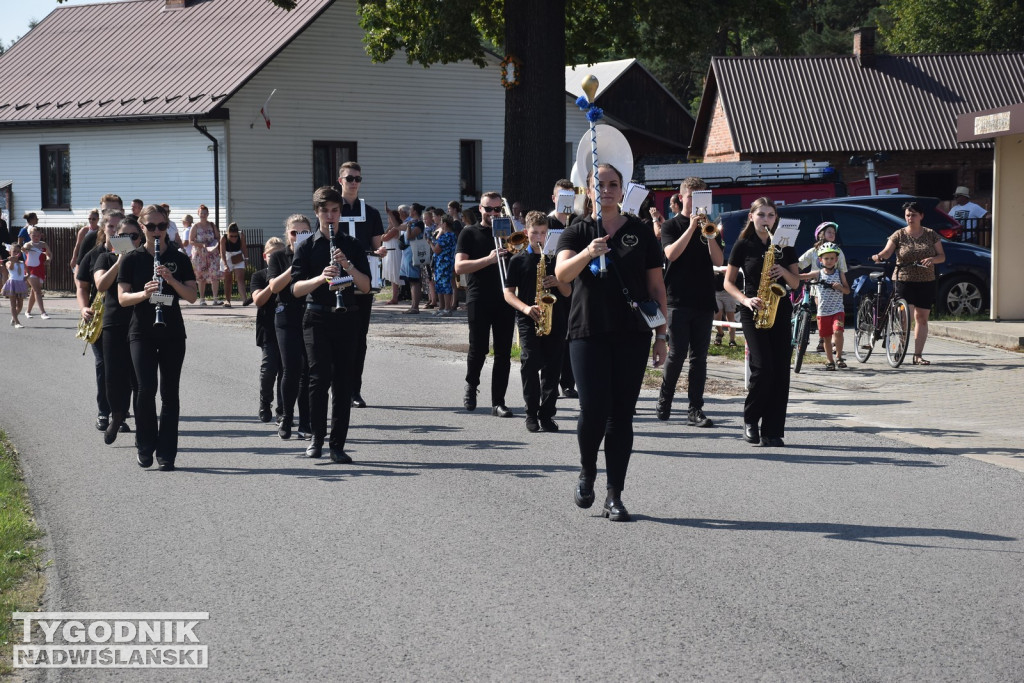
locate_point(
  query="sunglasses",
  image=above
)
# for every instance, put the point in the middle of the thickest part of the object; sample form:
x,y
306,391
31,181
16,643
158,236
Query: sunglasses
x,y
491,209
353,178
133,235
155,226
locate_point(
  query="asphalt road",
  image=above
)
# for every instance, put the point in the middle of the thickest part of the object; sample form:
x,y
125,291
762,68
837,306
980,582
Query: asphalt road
x,y
451,548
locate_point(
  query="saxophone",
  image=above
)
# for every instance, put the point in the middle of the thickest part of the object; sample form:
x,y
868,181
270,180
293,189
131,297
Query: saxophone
x,y
768,291
545,299
90,331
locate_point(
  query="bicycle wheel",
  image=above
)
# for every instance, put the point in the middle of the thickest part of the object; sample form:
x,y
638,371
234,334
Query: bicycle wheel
x,y
897,332
862,335
803,333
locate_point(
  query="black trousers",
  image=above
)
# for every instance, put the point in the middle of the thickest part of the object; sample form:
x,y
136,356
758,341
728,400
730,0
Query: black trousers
x,y
689,334
770,352
540,356
157,362
330,344
609,374
119,372
359,354
271,372
294,368
102,404
485,317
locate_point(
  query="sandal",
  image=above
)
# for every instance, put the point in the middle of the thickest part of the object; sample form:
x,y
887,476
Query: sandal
x,y
830,366
841,363
732,343
918,360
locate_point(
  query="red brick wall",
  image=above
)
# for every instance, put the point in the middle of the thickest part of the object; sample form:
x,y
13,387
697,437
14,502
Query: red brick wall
x,y
719,145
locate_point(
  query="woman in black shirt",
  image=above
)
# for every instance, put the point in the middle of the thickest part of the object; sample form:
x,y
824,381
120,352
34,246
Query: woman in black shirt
x,y
769,349
156,350
609,344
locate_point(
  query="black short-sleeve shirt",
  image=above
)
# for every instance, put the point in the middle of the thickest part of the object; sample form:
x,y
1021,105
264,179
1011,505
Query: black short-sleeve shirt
x,y
137,270
365,230
599,306
748,254
690,279
314,255
264,313
522,275
484,286
86,267
113,314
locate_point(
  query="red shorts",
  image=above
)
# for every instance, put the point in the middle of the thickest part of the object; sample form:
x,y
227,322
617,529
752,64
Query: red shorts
x,y
829,324
38,271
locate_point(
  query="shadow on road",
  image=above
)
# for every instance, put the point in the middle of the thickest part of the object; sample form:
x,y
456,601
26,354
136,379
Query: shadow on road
x,y
326,470
842,532
812,457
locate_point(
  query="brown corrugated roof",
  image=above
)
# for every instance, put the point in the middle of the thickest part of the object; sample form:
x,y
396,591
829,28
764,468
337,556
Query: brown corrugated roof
x,y
832,104
139,60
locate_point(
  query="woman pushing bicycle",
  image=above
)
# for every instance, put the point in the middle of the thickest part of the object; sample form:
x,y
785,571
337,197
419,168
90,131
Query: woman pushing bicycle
x,y
918,249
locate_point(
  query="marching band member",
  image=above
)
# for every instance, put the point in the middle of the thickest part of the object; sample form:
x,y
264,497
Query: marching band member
x,y
85,289
609,344
270,366
764,411
330,332
157,350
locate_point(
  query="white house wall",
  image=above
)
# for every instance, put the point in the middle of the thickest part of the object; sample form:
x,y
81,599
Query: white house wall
x,y
165,162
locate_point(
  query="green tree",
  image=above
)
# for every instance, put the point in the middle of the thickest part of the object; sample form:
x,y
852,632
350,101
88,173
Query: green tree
x,y
909,26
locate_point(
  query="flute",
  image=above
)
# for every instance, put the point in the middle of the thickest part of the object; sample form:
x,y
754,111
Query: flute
x,y
159,320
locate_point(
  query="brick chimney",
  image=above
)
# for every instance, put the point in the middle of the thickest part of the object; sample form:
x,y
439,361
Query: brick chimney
x,y
175,4
863,46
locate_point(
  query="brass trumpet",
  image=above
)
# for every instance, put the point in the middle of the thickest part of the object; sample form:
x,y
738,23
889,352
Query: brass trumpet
x,y
708,229
516,242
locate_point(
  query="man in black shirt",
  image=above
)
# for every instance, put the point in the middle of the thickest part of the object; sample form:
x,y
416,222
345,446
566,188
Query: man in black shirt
x,y
477,256
329,335
539,353
557,220
690,290
362,221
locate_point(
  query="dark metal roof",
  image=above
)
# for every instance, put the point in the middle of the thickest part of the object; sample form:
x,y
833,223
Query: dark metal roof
x,y
832,104
138,59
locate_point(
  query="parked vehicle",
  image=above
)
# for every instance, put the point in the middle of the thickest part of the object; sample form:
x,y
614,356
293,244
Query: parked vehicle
x,y
962,280
939,221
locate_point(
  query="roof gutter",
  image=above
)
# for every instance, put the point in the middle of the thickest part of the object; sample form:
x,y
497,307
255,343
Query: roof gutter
x,y
216,166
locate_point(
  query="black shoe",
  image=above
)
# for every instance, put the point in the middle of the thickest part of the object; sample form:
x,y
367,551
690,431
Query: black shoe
x,y
664,408
145,458
102,421
124,428
751,434
265,413
500,411
548,425
614,510
695,417
166,466
248,301
772,442
284,430
469,402
110,433
315,449
584,496
340,457
357,401
279,420
569,392
532,425
303,435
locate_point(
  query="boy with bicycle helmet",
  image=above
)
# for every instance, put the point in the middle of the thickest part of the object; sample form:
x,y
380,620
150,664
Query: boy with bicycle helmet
x,y
826,232
832,287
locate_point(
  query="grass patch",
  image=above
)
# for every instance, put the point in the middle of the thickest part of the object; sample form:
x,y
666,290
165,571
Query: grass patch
x,y
516,354
21,578
729,352
946,317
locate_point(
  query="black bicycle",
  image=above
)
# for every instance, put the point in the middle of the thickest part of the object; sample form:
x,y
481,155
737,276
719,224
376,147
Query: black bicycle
x,y
802,323
882,316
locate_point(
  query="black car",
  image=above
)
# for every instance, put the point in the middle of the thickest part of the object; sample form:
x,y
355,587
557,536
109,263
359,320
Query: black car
x,y
939,221
962,280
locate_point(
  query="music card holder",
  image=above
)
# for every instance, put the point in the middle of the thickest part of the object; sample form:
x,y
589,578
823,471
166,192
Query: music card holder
x,y
161,299
634,197
565,201
701,202
786,232
122,244
302,237
551,246
501,226
340,282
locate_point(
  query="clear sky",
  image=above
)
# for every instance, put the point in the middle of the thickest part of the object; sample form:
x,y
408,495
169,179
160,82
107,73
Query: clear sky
x,y
15,15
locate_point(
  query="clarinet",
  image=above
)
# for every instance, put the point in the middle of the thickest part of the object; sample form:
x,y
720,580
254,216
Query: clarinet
x,y
339,302
159,321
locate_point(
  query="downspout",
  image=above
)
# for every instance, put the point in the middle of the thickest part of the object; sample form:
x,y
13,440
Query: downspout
x,y
216,168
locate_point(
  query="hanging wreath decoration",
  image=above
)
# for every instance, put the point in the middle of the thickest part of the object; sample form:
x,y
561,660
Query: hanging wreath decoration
x,y
510,71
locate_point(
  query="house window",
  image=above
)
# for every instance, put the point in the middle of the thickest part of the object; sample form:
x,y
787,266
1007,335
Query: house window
x,y
55,176
328,158
939,184
570,159
470,169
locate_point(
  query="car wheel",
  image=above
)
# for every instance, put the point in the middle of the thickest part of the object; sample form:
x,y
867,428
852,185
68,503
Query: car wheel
x,y
960,295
